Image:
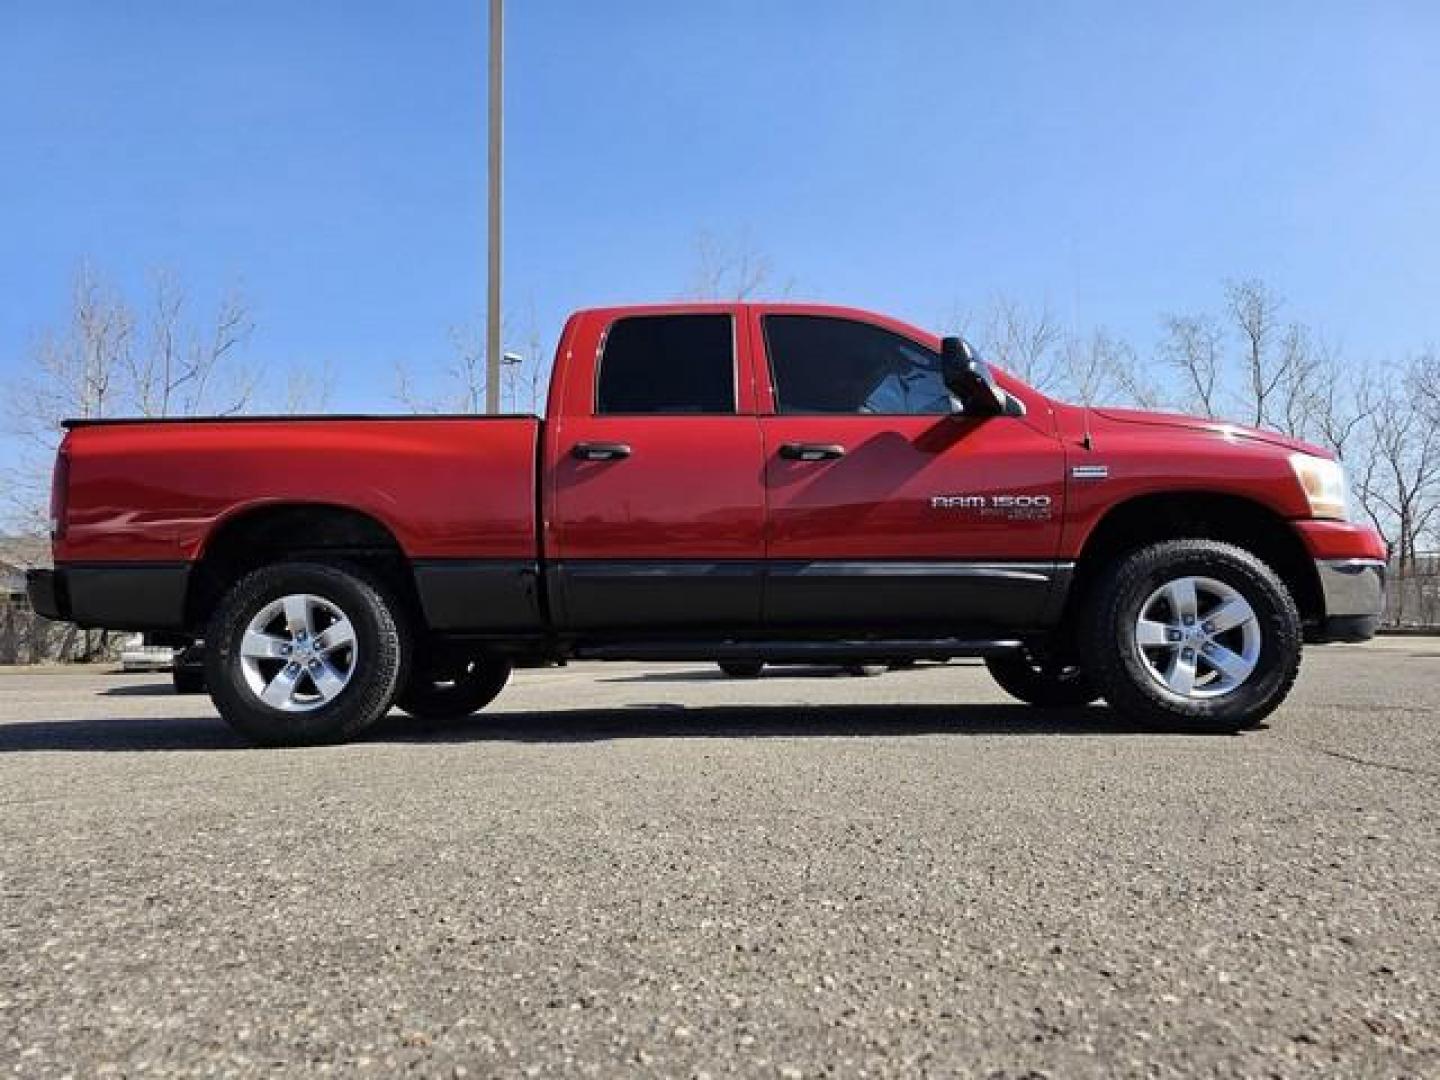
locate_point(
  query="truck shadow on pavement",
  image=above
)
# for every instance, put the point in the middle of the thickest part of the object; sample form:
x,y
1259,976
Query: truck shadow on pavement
x,y
637,721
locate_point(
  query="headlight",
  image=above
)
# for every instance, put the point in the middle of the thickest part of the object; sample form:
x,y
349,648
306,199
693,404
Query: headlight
x,y
1323,482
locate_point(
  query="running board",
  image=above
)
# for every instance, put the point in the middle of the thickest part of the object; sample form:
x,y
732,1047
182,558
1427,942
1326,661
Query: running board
x,y
796,651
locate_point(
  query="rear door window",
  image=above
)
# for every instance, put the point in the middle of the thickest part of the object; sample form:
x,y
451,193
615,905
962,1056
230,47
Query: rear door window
x,y
668,364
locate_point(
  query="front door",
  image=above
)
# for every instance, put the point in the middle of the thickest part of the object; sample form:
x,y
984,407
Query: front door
x,y
657,513
886,509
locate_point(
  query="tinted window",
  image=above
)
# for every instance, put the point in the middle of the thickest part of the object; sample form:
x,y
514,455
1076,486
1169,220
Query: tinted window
x,y
824,365
668,364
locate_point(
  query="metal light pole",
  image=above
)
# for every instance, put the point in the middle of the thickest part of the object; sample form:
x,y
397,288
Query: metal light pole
x,y
497,112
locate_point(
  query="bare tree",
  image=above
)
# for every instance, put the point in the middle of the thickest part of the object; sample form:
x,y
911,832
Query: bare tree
x,y
1136,386
1255,310
1341,401
468,370
732,270
308,391
459,387
461,382
1424,383
1425,379
75,371
1100,368
1024,341
1399,483
1299,389
105,362
71,372
533,376
181,370
1193,347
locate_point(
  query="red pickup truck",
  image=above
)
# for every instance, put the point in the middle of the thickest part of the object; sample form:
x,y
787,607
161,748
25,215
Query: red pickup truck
x,y
736,482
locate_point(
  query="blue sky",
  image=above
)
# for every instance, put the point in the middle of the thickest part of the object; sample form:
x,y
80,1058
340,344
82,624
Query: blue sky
x,y
1113,160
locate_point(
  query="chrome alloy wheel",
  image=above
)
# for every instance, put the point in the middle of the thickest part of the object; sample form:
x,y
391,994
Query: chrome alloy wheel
x,y
1198,637
298,653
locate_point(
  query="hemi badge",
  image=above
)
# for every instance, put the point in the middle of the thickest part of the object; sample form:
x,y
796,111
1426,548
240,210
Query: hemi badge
x,y
1090,472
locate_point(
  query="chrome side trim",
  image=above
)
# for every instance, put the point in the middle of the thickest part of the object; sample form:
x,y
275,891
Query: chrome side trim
x,y
1352,586
1090,472
1010,571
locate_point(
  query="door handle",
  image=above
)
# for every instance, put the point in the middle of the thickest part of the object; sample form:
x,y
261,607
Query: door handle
x,y
600,451
805,451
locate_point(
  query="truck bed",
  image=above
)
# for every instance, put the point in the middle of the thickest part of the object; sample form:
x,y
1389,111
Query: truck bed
x,y
446,487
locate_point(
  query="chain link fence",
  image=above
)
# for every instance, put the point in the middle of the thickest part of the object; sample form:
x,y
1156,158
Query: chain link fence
x,y
1412,600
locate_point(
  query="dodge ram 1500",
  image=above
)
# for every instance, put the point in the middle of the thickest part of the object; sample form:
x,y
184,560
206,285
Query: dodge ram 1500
x,y
734,482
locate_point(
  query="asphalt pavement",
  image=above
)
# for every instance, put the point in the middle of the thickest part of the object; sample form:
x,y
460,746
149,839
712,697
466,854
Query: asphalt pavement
x,y
652,870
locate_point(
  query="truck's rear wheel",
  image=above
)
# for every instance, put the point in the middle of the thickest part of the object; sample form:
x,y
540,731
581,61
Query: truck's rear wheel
x,y
1193,633
188,671
1049,683
301,653
452,688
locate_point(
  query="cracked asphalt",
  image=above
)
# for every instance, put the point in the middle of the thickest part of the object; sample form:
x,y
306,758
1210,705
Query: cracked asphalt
x,y
651,870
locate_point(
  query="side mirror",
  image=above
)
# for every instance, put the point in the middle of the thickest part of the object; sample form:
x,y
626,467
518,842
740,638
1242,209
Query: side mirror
x,y
969,380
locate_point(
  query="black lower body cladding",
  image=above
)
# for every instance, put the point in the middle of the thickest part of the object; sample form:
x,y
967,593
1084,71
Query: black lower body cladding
x,y
491,595
615,594
506,596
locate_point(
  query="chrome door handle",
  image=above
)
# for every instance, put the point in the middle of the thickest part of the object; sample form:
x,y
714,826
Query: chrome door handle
x,y
799,451
600,451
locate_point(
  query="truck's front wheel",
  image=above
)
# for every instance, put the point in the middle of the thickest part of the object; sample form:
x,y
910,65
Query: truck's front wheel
x,y
301,653
1192,633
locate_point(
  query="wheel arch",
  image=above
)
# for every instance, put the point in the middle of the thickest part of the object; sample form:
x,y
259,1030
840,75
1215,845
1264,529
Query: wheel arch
x,y
1219,516
276,531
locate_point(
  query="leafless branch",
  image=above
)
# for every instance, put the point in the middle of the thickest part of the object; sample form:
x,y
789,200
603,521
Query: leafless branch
x,y
1024,341
1192,347
732,270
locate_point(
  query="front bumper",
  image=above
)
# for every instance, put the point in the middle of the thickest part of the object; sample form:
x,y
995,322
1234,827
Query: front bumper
x,y
1354,593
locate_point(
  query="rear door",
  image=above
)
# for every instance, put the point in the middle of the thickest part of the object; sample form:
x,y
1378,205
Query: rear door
x,y
885,507
656,506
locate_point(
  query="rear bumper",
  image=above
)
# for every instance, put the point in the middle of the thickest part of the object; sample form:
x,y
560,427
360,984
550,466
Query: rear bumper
x,y
44,590
112,596
1354,594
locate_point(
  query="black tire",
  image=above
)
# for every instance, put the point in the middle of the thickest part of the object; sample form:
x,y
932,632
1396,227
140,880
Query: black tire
x,y
378,663
865,671
449,689
1050,684
188,678
1110,655
187,674
742,669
